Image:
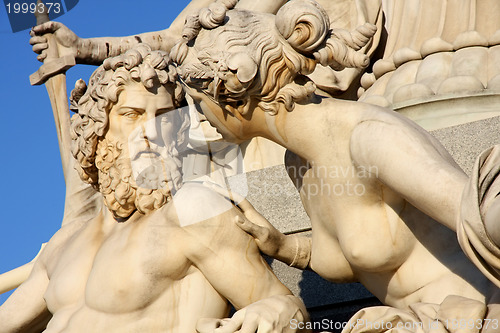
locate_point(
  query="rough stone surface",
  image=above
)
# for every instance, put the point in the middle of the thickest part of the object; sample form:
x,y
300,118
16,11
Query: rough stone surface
x,y
465,142
272,193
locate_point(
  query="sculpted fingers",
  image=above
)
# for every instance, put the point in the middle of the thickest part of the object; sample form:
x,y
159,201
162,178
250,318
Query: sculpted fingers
x,y
41,57
38,47
37,40
268,240
260,318
247,322
46,28
67,41
232,325
251,324
269,315
258,232
264,322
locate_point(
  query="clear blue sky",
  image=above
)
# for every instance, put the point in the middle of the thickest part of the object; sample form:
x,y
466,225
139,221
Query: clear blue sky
x,y
32,194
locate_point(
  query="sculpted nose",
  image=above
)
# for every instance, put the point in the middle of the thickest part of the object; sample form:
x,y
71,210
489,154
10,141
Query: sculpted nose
x,y
149,129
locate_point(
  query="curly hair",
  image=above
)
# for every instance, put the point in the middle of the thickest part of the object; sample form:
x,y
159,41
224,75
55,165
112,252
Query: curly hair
x,y
235,55
93,103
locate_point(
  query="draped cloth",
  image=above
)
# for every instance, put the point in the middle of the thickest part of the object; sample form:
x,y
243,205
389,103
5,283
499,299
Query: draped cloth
x,y
479,193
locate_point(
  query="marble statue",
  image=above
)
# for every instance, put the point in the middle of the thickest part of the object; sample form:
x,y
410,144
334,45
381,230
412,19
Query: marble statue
x,y
373,181
379,221
160,255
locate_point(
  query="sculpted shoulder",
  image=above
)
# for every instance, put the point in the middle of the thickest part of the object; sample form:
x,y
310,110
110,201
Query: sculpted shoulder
x,y
202,223
336,118
207,221
356,112
59,240
384,131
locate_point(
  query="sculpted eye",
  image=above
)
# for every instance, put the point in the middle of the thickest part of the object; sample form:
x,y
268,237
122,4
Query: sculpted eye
x,y
131,115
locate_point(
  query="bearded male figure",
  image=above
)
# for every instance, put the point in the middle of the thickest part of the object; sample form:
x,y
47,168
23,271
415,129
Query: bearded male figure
x,y
158,257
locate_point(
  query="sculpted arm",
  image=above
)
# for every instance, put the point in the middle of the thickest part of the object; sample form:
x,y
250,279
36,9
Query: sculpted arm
x,y
264,6
25,310
93,51
231,262
412,163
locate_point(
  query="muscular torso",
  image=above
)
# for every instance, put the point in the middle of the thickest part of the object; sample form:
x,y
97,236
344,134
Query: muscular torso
x,y
364,231
131,277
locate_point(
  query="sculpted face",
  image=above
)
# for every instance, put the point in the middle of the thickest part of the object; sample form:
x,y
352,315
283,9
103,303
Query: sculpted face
x,y
229,124
137,158
140,117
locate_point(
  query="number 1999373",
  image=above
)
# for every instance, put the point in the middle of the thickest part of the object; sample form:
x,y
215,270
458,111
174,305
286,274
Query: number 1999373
x,y
24,7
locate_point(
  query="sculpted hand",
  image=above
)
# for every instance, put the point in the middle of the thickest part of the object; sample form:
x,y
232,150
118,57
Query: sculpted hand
x,y
292,250
67,41
268,238
275,314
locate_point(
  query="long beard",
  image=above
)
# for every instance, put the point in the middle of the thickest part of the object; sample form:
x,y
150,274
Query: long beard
x,y
148,191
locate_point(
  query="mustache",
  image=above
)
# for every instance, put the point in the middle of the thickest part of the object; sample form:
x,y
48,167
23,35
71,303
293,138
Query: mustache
x,y
139,149
150,152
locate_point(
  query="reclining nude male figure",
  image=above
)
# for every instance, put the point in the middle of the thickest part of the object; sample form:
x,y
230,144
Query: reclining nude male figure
x,y
398,235
160,256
